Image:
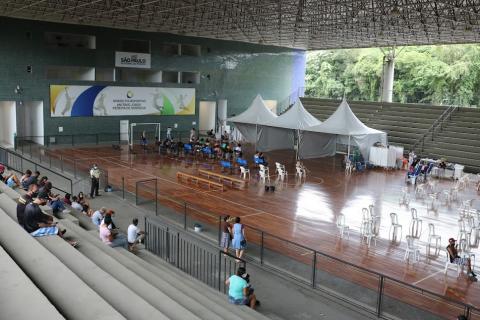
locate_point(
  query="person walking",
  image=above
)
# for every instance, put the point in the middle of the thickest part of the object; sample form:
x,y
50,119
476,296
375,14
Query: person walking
x,y
95,176
169,133
239,242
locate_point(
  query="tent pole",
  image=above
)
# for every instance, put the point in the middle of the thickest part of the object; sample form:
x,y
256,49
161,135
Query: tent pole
x,y
348,154
256,136
297,152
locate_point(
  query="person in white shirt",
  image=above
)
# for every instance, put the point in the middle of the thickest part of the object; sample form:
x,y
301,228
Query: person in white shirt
x,y
95,176
97,216
134,235
169,133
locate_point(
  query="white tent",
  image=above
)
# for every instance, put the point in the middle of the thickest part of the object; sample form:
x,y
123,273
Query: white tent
x,y
284,131
347,128
256,115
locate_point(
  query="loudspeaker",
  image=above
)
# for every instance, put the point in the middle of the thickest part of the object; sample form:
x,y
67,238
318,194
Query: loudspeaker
x,y
267,188
272,188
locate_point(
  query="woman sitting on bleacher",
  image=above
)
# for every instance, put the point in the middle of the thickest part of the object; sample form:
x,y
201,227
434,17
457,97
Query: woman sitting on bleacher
x,y
238,291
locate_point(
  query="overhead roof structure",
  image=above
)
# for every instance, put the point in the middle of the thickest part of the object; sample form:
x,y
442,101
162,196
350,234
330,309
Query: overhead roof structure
x,y
303,24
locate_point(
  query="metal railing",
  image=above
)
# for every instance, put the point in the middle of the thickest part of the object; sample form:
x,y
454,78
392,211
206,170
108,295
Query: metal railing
x,y
437,124
20,164
199,259
375,292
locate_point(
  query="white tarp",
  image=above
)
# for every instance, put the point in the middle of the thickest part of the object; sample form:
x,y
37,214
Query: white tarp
x,y
249,121
347,127
280,133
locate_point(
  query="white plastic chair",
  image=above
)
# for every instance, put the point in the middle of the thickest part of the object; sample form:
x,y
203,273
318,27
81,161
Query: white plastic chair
x,y
420,191
348,167
368,233
450,264
394,226
448,197
432,203
301,171
366,219
413,249
280,170
463,231
243,173
404,198
433,236
416,224
342,227
264,175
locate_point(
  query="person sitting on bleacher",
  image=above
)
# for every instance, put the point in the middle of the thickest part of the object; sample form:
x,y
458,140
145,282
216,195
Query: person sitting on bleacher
x,y
238,290
134,235
33,179
111,237
39,224
23,201
76,205
67,199
98,216
110,213
25,178
42,181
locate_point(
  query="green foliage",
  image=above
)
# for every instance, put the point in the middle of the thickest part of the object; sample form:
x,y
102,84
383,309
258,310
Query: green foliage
x,y
426,74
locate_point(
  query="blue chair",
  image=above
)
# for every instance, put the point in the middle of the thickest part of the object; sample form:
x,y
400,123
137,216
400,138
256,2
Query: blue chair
x,y
258,161
226,165
187,148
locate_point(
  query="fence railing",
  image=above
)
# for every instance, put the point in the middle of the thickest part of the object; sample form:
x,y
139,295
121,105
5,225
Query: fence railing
x,y
198,259
375,292
20,164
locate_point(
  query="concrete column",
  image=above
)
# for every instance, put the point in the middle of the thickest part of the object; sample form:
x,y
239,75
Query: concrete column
x,y
221,115
388,74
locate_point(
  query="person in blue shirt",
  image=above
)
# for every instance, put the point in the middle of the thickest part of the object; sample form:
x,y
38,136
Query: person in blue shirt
x,y
238,290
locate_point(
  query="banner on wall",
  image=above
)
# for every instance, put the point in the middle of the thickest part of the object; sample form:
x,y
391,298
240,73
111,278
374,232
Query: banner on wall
x,y
101,101
132,60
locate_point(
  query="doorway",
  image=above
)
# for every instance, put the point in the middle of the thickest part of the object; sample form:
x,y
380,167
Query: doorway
x,y
30,121
8,123
207,116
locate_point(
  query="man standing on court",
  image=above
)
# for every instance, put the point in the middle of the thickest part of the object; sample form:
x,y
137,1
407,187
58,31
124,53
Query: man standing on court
x,y
95,176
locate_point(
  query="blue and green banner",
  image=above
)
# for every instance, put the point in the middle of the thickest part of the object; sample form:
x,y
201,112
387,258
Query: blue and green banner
x,y
101,101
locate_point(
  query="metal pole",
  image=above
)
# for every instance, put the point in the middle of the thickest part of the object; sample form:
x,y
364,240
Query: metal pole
x,y
185,216
177,258
219,229
314,268
136,193
380,296
72,141
61,162
75,168
156,199
219,270
123,187
262,248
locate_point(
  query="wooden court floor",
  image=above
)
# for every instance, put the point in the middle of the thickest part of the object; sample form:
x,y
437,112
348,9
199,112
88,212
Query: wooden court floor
x,y
305,211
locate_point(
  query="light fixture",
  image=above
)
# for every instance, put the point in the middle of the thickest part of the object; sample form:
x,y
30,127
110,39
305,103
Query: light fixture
x,y
18,89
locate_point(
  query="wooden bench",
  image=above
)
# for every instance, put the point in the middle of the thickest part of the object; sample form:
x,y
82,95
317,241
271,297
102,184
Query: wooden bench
x,y
197,180
233,180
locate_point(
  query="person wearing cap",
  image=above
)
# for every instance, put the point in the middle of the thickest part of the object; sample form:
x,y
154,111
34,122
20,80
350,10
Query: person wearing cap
x,y
455,258
95,176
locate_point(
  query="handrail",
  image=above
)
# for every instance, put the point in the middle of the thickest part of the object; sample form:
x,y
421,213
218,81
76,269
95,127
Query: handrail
x,y
447,113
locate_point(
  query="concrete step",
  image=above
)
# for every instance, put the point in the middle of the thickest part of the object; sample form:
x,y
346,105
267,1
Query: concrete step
x,y
402,134
16,289
456,147
412,114
204,309
101,255
456,129
397,128
421,110
161,267
413,125
406,120
466,136
9,191
451,140
467,122
48,273
471,156
122,298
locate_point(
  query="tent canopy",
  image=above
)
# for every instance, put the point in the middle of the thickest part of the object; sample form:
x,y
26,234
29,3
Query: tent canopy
x,y
257,113
295,118
344,122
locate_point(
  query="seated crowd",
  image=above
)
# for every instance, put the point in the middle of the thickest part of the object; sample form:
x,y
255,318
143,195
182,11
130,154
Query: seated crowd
x,y
39,193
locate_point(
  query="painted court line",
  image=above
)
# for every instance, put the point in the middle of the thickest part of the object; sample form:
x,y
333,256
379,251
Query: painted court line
x,y
427,277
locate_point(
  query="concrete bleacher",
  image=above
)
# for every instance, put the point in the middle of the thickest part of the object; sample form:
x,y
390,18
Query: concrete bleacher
x,y
404,123
458,140
108,283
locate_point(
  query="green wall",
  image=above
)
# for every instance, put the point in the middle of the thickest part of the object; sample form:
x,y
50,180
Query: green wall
x,y
238,71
